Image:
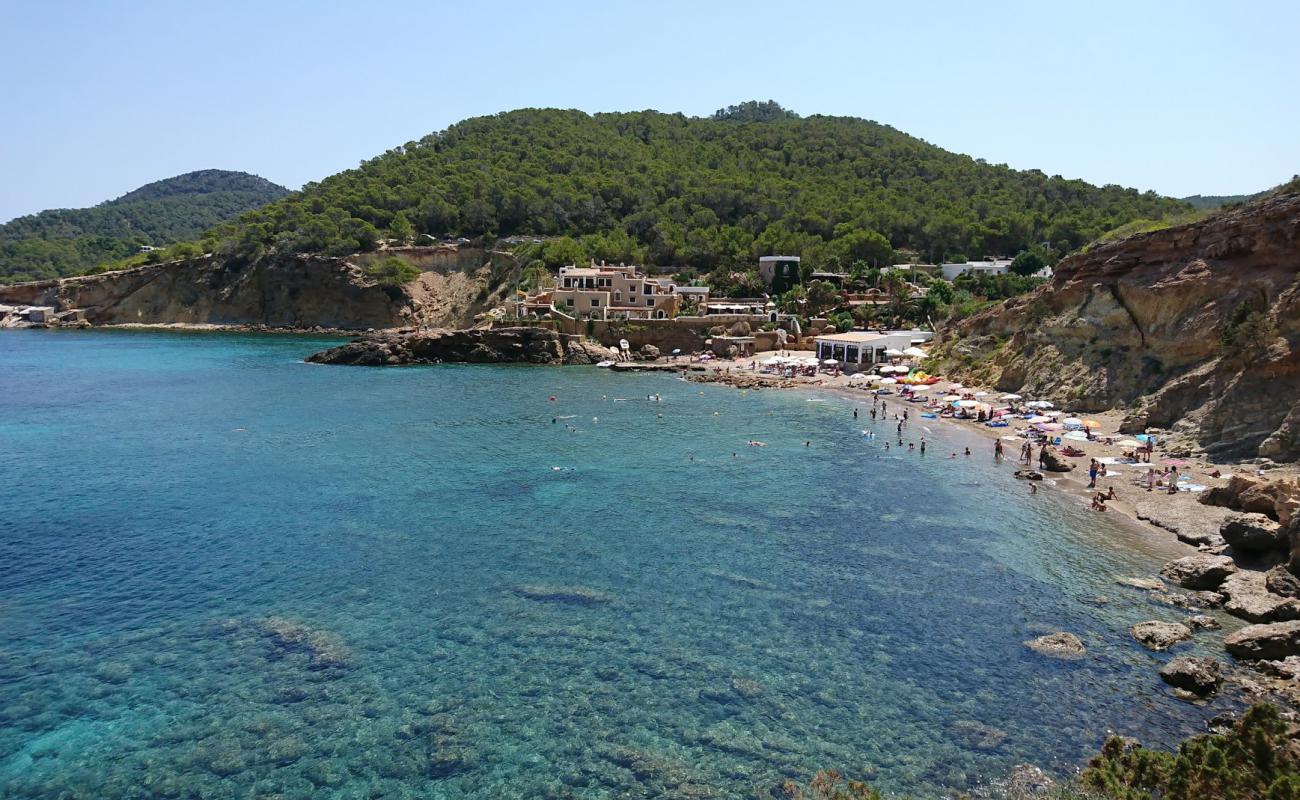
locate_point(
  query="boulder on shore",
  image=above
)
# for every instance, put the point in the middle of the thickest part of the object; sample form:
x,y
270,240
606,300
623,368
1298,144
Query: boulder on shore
x,y
1053,462
1156,635
1199,571
1273,641
1254,533
1058,645
1200,676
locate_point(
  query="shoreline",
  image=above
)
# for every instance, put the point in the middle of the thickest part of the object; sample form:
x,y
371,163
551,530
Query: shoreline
x,y
1178,519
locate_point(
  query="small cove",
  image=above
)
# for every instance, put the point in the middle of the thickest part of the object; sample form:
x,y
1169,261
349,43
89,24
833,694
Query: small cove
x,y
230,571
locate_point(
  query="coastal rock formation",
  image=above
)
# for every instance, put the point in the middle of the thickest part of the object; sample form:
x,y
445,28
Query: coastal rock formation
x,y
1058,645
1200,676
1277,499
1199,571
295,291
1250,599
475,346
1254,533
1273,642
1183,327
1156,635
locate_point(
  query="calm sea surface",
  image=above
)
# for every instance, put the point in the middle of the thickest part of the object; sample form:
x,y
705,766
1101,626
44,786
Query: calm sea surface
x,y
227,573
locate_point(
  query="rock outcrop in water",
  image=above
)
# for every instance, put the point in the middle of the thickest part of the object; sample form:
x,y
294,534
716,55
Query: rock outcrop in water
x,y
524,345
1140,324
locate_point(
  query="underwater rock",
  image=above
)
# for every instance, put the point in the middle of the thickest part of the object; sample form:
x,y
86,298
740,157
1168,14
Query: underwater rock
x,y
1156,635
1150,584
746,688
114,672
976,735
1058,645
325,650
576,595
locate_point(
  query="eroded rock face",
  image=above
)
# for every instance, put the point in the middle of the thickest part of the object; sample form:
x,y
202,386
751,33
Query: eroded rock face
x,y
1200,676
1273,641
1135,324
1156,635
1058,645
1199,571
525,345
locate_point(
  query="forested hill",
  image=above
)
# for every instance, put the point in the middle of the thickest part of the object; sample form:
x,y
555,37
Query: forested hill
x,y
67,241
676,190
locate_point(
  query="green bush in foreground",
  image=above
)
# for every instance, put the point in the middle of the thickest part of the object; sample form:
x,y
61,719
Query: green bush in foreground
x,y
1250,762
392,271
1253,761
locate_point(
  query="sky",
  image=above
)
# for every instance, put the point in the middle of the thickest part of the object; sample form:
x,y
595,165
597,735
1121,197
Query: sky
x,y
101,97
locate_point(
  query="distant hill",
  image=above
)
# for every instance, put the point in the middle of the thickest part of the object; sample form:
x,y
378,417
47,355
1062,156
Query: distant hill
x,y
691,192
1213,201
64,242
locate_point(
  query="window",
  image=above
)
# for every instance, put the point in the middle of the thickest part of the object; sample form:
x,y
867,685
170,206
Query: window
x,y
650,301
595,301
648,289
618,295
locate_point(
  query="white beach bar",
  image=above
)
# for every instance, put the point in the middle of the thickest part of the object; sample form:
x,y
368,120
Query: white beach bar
x,y
861,348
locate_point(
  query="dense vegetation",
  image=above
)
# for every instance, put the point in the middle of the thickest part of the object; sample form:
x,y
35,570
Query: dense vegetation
x,y
674,191
63,242
1252,761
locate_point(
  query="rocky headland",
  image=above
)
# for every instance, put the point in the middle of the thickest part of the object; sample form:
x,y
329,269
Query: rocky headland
x,y
1194,329
289,292
524,345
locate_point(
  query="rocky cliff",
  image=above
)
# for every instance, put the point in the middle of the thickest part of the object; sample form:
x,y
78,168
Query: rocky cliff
x,y
1194,328
285,292
477,346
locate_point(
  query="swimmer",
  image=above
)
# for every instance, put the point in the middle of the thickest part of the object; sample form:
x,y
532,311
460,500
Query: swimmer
x,y
967,451
1033,487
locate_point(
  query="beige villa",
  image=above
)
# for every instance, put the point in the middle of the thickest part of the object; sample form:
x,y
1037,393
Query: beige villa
x,y
602,291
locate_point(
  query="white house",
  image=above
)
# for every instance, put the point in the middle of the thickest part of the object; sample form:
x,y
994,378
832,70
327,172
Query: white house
x,y
996,266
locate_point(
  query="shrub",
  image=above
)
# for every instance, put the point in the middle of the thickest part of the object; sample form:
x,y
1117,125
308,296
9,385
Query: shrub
x,y
1250,761
392,271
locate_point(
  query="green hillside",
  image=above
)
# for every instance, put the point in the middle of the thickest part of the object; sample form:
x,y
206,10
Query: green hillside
x,y
63,242
700,192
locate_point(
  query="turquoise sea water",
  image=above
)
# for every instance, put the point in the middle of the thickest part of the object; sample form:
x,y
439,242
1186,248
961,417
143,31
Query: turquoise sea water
x,y
227,573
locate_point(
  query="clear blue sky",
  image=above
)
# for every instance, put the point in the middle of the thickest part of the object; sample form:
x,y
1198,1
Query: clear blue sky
x,y
101,97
